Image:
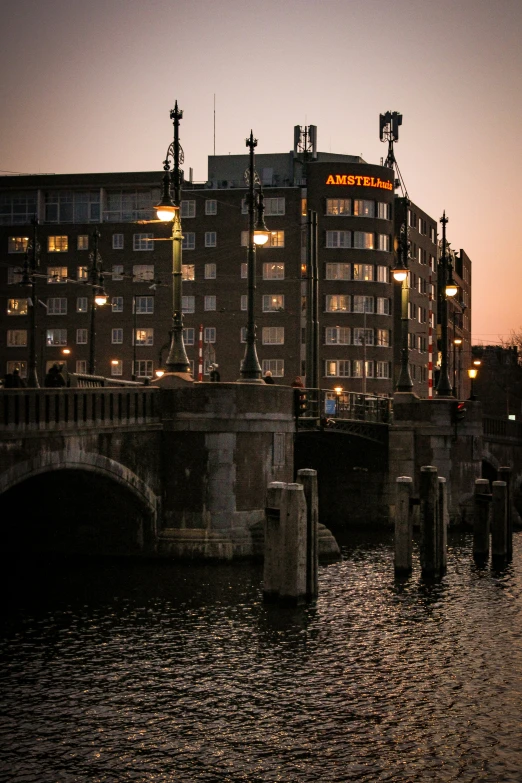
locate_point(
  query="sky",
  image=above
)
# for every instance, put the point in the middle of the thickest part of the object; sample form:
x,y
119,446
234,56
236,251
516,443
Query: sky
x,y
88,87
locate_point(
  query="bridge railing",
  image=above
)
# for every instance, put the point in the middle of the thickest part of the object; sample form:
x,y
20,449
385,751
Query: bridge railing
x,y
319,405
502,428
42,409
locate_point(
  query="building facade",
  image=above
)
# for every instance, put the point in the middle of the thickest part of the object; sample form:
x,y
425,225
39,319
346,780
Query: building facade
x,y
359,219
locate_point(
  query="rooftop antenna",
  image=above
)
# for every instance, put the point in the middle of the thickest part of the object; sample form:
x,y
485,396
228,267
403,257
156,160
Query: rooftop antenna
x,y
214,124
389,124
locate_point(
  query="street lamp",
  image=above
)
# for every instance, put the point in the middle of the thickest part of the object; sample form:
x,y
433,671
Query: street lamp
x,y
400,275
472,374
29,278
168,210
257,235
99,298
447,288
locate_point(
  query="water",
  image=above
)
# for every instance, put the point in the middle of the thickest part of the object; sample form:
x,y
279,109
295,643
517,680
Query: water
x,y
143,672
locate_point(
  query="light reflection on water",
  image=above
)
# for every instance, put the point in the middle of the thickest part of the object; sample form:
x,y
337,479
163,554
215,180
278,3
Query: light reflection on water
x,y
125,671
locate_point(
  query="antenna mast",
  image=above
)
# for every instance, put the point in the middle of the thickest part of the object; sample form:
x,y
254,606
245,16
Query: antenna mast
x,y
389,131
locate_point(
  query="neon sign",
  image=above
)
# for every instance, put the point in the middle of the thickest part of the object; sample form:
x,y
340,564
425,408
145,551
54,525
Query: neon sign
x,y
356,179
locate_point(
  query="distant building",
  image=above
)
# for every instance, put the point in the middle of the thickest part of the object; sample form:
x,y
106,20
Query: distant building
x,y
498,384
359,219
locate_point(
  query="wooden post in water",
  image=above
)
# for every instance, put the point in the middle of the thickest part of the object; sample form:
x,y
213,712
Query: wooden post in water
x,y
505,474
429,491
403,525
275,509
308,478
499,520
481,519
442,525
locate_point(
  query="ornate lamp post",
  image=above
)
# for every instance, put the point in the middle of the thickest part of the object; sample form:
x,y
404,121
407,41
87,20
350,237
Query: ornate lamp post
x,y
29,278
472,374
257,235
169,210
447,287
400,275
99,298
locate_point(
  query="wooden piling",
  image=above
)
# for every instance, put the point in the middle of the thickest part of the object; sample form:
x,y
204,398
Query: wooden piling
x,y
429,555
403,525
505,474
499,520
481,519
274,510
293,571
442,525
308,478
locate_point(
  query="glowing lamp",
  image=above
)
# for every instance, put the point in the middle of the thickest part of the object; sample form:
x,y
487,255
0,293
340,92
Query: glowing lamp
x,y
400,274
160,373
101,298
472,373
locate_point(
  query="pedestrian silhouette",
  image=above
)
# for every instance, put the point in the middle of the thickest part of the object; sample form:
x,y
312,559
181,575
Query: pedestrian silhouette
x,y
297,382
54,377
268,377
17,382
215,377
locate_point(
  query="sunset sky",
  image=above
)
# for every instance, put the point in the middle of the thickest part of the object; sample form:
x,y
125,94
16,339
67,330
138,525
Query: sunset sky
x,y
88,86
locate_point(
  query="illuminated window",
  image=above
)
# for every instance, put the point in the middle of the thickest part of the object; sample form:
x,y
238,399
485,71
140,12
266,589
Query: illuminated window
x,y
210,239
363,272
143,273
16,338
337,303
383,338
143,241
210,206
56,337
363,336
56,274
82,242
188,304
383,274
188,209
117,304
273,335
337,368
363,304
273,271
144,305
188,336
189,240
210,271
20,366
81,336
57,244
117,336
209,303
338,239
364,240
116,367
82,304
273,303
338,206
383,241
276,239
337,335
17,244
276,367
117,241
363,208
82,273
57,306
144,336
188,272
17,306
117,271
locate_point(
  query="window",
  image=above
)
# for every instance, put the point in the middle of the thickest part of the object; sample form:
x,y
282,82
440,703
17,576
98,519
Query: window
x,y
17,244
274,206
337,303
81,366
17,306
209,303
337,368
244,300
338,239
117,336
143,273
383,338
82,242
117,304
337,335
188,335
273,271
383,305
362,304
20,366
189,240
363,272
116,367
383,242
383,274
421,344
144,336
273,335
17,208
338,206
144,305
383,210
117,241
337,272
363,208
244,271
188,304
16,338
56,337
244,239
273,302
382,370
143,241
276,367
363,336
210,239
81,336
144,368
82,273
209,334
57,244
67,206
56,274
57,306
14,275
364,240
276,239
126,206
210,206
117,271
188,209
242,336
82,304
188,272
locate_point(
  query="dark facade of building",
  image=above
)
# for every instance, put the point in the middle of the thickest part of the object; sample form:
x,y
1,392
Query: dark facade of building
x,y
358,216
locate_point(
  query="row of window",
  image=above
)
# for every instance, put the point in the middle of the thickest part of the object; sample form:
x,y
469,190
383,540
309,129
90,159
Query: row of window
x,y
361,240
356,368
348,207
57,305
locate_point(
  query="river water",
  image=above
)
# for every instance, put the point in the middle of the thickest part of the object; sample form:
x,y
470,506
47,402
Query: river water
x,y
128,671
